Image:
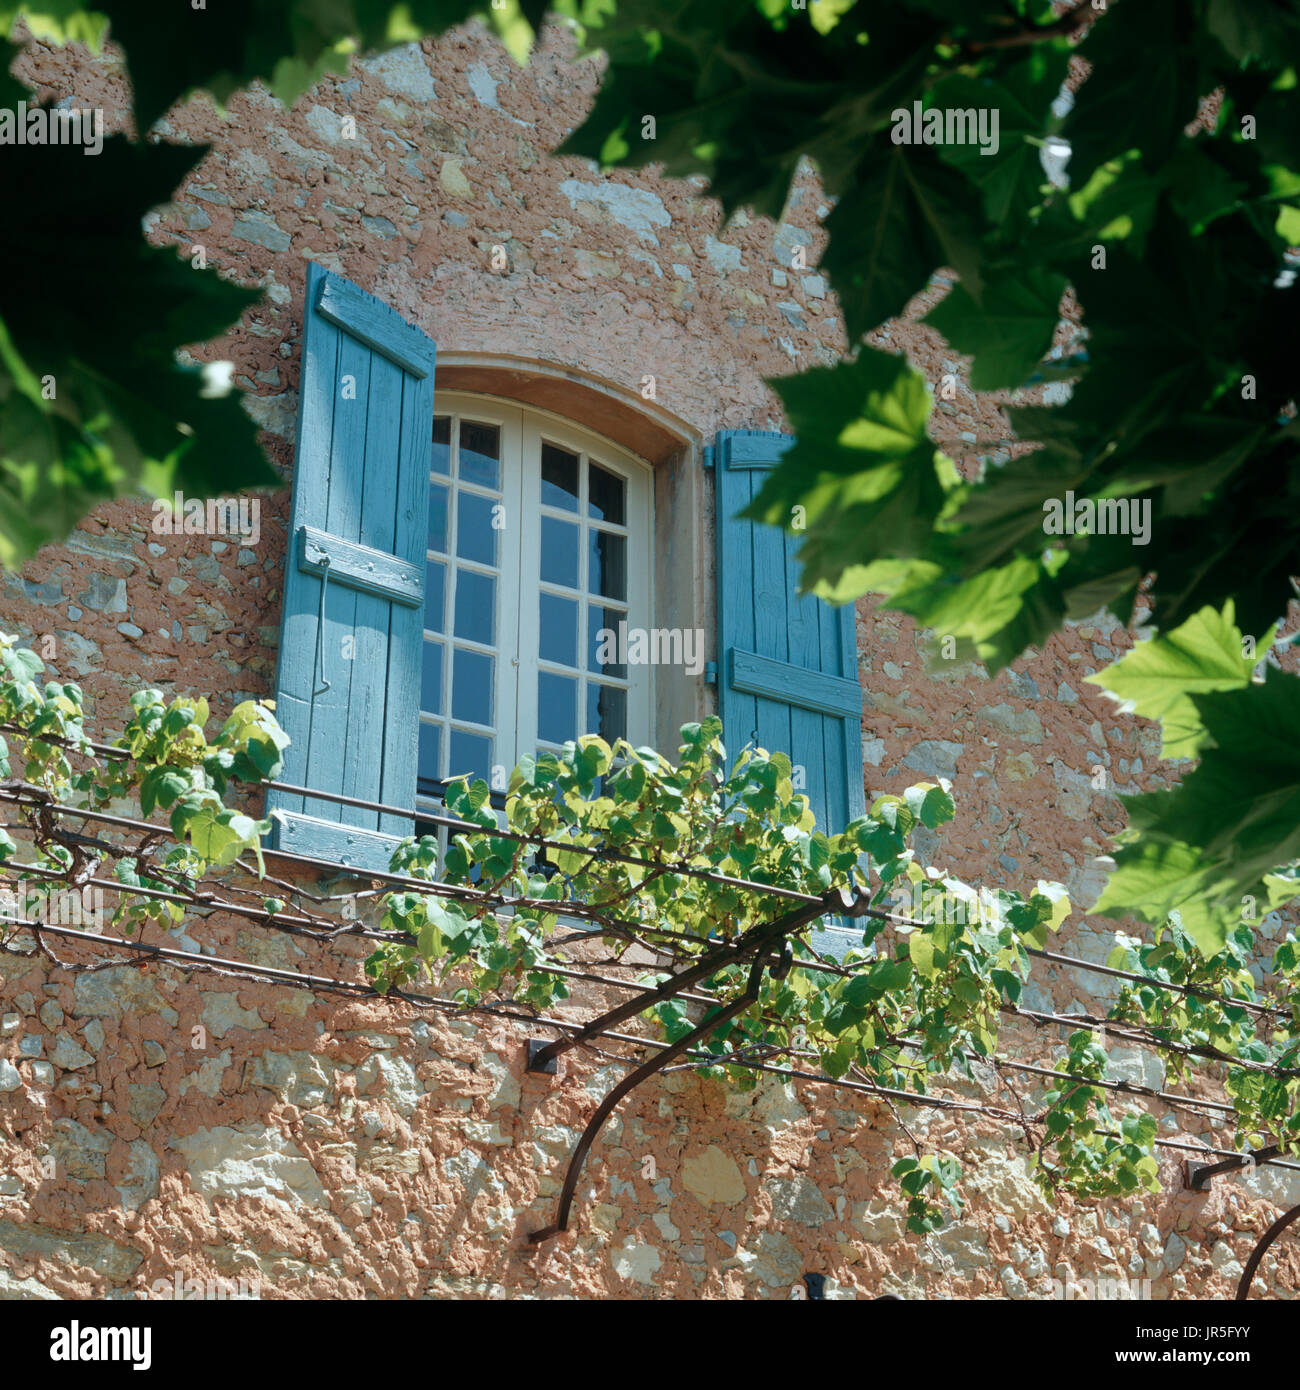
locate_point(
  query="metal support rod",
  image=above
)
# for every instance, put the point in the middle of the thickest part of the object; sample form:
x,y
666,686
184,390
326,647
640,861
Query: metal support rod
x,y
759,938
1267,1239
1199,1175
630,1082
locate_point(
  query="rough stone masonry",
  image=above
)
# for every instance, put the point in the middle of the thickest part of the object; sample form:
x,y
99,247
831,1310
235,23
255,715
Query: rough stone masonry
x,y
353,1149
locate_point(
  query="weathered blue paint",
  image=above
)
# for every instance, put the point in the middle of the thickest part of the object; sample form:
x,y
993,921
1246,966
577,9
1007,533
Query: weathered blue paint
x,y
788,665
347,688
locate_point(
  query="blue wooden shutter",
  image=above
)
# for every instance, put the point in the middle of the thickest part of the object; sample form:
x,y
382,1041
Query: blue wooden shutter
x,y
787,666
348,685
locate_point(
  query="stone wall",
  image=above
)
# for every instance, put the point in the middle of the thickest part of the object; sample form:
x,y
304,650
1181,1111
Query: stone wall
x,y
164,1123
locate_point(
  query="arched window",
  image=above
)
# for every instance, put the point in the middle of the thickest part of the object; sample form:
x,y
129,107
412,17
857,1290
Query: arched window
x,y
539,564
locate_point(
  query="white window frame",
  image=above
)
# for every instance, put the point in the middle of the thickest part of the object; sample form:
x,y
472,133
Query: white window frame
x,y
516,649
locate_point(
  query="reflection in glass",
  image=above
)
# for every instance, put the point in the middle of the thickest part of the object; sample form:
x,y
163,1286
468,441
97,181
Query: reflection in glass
x,y
603,621
606,711
430,738
559,478
559,552
605,495
470,753
606,564
442,445
558,629
471,687
431,679
476,603
480,450
475,537
435,595
557,698
438,497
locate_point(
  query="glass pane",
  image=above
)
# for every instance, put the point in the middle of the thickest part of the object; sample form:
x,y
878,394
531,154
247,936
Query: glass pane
x,y
438,497
558,630
431,680
606,564
476,606
605,495
442,444
557,698
559,478
606,711
602,641
435,596
559,552
480,448
430,738
470,753
475,538
471,687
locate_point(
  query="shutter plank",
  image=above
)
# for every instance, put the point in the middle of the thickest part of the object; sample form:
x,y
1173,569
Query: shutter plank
x,y
787,666
326,757
400,754
361,493
368,692
310,497
769,601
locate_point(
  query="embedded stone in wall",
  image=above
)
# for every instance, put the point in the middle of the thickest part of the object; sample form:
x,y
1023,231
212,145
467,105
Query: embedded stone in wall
x,y
117,992
772,1104
104,594
139,1181
99,1253
388,1158
799,1199
78,1151
296,1077
452,180
221,1013
277,415
935,757
207,1078
147,1099
12,1289
403,70
637,1262
712,1176
249,1161
1005,1183
465,1287
402,1088
1024,725
67,1055
771,1259
505,1088
635,208
1278,1185
877,1221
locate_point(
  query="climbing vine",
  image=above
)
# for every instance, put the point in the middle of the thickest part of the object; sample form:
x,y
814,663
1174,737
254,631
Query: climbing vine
x,y
702,882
